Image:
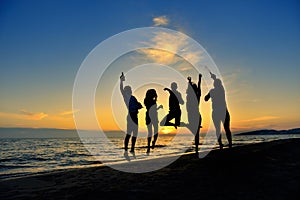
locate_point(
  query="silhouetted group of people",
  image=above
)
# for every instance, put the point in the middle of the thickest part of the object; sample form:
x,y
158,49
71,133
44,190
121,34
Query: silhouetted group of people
x,y
219,112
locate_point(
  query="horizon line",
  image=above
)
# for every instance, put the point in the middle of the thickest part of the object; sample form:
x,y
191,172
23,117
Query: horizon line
x,y
118,130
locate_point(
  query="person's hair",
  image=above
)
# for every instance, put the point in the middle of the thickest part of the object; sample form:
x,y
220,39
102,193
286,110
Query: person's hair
x,y
150,98
127,89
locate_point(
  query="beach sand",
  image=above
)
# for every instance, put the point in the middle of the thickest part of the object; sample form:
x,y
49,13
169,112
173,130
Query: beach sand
x,y
269,170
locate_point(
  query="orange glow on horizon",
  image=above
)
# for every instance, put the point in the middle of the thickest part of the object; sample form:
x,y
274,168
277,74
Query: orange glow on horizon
x,y
167,130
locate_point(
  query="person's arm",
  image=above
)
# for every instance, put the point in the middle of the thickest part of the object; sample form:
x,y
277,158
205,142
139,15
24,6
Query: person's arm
x,y
167,89
137,104
199,87
159,107
213,76
180,100
190,81
122,79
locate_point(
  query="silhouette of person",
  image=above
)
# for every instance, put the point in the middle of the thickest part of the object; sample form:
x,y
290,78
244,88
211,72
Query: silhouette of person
x,y
174,108
151,116
192,106
220,112
132,118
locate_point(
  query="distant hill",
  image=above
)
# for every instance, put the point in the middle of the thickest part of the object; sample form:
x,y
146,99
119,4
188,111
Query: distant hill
x,y
271,132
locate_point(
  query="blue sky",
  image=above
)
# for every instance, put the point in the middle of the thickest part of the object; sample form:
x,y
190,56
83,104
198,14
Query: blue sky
x,y
43,43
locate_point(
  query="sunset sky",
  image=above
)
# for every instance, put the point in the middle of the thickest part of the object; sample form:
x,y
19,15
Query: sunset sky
x,y
255,44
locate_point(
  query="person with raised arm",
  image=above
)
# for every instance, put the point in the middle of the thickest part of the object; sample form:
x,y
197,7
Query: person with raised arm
x,y
220,111
133,107
192,106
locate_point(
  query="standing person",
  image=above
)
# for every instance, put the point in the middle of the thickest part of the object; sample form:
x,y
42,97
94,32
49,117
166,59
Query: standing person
x,y
220,112
174,108
132,118
192,106
151,116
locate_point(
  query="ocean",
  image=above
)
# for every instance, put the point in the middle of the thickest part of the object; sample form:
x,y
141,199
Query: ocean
x,y
26,156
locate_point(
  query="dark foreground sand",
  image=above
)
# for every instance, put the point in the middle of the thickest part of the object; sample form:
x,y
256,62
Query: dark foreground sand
x,y
259,171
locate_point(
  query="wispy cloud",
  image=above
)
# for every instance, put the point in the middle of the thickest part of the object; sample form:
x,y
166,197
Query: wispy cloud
x,y
25,118
172,44
24,115
68,112
33,116
184,68
263,118
27,115
160,21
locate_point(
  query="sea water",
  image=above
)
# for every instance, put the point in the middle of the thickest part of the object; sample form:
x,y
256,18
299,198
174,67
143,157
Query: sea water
x,y
27,156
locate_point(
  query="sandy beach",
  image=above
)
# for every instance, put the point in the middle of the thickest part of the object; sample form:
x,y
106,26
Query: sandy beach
x,y
269,170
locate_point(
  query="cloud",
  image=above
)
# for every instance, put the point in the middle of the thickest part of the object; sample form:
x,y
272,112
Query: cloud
x,y
172,44
27,115
159,56
69,112
24,115
33,116
263,118
160,21
184,68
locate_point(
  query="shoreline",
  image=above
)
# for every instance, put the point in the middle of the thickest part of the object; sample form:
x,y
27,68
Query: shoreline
x,y
260,170
120,162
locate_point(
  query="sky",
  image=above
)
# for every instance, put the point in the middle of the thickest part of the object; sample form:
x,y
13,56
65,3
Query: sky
x,y
255,44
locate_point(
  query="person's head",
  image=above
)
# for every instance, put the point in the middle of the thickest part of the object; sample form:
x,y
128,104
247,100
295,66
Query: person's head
x,y
151,94
127,90
174,86
218,83
151,97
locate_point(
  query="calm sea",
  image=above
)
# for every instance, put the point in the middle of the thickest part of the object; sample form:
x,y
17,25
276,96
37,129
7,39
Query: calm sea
x,y
26,156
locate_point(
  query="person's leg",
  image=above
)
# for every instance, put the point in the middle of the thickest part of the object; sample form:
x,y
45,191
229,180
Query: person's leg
x,y
200,120
217,123
166,120
194,119
177,118
163,121
134,131
133,139
155,127
126,141
149,127
197,141
128,132
171,116
227,128
197,135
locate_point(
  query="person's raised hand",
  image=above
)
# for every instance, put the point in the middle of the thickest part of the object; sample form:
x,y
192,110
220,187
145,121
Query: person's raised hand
x,y
189,78
122,77
213,76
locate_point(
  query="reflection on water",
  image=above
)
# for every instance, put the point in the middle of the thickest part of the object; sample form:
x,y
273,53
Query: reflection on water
x,y
26,156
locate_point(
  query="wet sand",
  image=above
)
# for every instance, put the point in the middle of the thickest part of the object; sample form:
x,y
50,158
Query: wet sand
x,y
269,170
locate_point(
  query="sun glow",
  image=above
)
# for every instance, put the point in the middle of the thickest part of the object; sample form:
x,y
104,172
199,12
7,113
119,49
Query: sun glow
x,y
167,130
